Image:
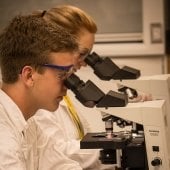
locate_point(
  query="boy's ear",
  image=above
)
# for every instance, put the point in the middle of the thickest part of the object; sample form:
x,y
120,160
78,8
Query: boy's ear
x,y
27,75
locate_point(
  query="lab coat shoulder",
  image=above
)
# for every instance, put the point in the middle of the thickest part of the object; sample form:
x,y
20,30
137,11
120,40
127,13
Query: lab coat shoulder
x,y
50,157
11,153
46,124
60,144
63,116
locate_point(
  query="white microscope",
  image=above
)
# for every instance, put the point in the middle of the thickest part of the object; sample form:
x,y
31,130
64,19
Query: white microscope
x,y
156,123
145,146
147,150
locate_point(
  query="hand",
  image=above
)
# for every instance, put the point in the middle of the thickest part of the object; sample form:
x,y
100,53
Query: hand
x,y
141,98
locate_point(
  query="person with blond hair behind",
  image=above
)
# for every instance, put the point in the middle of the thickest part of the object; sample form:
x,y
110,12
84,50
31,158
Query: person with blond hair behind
x,y
66,125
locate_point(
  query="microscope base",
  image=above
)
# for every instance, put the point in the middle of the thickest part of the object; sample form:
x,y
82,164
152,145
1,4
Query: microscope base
x,y
133,151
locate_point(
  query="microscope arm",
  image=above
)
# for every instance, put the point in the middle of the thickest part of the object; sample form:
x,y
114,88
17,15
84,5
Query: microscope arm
x,y
144,113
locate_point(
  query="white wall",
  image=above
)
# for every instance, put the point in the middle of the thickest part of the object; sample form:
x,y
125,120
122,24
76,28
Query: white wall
x,y
149,65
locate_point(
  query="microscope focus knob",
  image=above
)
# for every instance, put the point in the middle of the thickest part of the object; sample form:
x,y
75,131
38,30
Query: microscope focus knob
x,y
156,162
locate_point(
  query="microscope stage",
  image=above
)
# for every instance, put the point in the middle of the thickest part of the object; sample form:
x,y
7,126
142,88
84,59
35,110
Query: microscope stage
x,y
99,140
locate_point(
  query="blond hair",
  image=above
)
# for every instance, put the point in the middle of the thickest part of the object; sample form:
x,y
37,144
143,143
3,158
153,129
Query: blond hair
x,y
69,17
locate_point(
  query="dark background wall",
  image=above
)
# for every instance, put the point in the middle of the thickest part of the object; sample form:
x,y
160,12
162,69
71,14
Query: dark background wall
x,y
108,14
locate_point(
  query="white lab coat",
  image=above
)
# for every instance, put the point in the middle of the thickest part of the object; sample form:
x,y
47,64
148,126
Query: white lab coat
x,y
60,127
42,149
22,144
12,124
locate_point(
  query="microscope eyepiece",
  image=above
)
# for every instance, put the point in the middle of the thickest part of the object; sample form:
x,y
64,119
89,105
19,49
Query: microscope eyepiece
x,y
90,95
73,82
87,93
92,59
106,69
103,68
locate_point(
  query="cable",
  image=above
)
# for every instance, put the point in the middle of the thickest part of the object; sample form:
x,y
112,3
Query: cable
x,y
74,117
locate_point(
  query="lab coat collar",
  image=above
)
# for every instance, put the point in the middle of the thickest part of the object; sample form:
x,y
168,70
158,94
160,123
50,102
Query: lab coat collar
x,y
13,111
